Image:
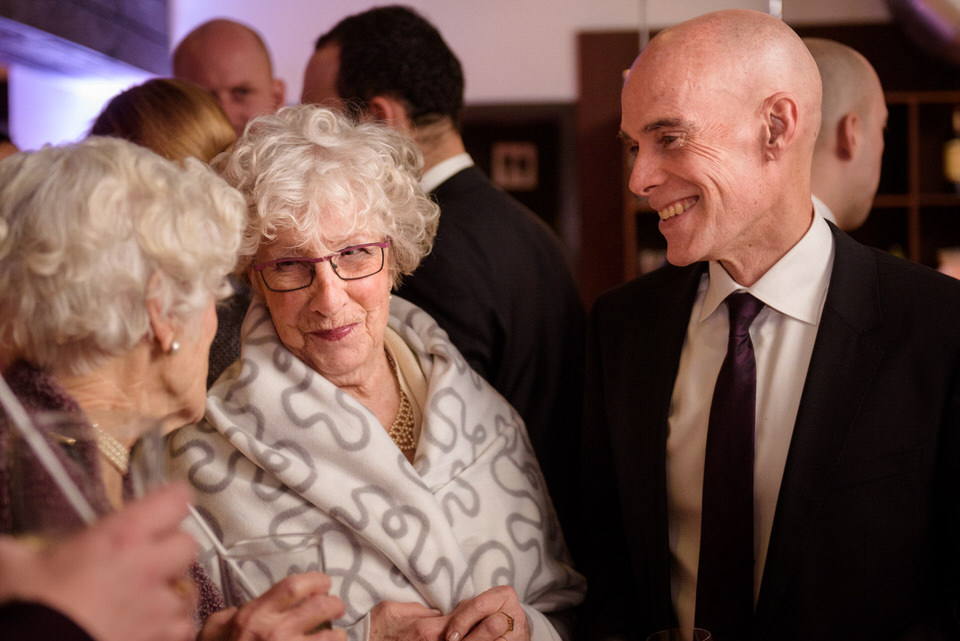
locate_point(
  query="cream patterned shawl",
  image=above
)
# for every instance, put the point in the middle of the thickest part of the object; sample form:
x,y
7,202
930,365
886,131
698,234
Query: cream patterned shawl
x,y
284,450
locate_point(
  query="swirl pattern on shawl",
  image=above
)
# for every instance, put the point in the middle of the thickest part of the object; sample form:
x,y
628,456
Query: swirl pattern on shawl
x,y
284,450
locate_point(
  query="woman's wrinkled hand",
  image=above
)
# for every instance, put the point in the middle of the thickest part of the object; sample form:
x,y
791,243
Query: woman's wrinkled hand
x,y
393,621
292,609
493,614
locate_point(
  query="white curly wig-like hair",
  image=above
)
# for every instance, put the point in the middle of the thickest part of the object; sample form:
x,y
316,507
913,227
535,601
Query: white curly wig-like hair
x,y
313,172
90,231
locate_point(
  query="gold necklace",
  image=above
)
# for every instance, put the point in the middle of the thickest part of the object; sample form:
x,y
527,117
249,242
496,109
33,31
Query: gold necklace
x,y
112,450
401,430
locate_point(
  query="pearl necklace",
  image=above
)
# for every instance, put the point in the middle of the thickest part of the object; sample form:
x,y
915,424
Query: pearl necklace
x,y
112,450
401,430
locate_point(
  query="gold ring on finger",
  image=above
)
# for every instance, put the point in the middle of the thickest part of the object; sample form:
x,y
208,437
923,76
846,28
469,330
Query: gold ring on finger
x,y
509,620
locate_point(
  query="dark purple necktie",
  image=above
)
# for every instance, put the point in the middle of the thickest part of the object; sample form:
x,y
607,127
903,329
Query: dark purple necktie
x,y
725,575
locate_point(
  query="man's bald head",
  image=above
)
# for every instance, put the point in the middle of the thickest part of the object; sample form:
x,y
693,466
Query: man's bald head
x,y
746,55
724,111
849,149
231,61
849,80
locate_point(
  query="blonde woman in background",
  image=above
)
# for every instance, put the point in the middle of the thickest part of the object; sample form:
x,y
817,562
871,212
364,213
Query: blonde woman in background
x,y
173,118
179,120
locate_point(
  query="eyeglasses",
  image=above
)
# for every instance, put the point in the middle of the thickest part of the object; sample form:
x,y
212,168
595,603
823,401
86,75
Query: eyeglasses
x,y
350,263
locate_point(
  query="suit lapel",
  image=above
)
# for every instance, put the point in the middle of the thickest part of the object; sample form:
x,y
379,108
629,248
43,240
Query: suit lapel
x,y
841,370
659,323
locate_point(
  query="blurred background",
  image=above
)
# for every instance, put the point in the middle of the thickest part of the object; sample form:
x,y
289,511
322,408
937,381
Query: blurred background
x,y
542,85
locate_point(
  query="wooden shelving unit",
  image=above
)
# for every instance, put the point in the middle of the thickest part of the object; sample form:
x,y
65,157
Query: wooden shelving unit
x,y
916,211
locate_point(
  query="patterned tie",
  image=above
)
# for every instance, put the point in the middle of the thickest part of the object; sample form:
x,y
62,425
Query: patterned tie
x,y
725,575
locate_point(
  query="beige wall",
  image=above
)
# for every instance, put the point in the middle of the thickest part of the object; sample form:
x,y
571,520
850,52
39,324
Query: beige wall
x,y
512,50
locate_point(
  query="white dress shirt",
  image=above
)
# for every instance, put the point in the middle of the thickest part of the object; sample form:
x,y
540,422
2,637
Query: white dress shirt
x,y
438,174
825,211
783,334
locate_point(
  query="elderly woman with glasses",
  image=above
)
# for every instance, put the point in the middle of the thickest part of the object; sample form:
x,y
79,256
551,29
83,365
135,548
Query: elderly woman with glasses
x,y
351,414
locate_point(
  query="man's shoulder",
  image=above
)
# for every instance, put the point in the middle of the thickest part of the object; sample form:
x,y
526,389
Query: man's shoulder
x,y
482,224
898,276
666,285
470,200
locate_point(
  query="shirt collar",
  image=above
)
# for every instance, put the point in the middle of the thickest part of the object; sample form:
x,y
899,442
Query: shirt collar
x,y
795,286
436,175
823,210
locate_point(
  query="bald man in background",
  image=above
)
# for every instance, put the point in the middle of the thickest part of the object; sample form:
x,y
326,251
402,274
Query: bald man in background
x,y
849,149
848,511
231,61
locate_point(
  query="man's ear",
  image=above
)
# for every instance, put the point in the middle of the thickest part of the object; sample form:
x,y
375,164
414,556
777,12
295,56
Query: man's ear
x,y
279,91
389,111
164,330
780,114
847,136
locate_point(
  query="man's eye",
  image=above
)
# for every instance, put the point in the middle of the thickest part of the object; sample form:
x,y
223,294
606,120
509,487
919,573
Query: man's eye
x,y
667,140
240,93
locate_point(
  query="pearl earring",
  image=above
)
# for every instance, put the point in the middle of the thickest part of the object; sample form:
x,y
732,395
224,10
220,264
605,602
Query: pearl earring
x,y
174,347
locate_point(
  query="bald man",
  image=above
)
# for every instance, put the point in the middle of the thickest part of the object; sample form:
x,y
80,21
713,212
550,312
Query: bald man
x,y
823,477
231,61
849,149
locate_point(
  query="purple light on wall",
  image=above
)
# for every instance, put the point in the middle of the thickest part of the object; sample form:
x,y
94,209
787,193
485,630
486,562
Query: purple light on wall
x,y
47,107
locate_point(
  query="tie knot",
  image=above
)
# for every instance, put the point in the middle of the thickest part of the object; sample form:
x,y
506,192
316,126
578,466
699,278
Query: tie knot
x,y
743,309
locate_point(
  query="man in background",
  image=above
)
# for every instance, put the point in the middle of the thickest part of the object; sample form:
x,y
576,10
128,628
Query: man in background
x,y
231,61
497,279
849,150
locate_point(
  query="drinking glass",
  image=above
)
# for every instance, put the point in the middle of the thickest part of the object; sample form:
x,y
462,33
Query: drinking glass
x,y
147,470
250,567
40,503
39,507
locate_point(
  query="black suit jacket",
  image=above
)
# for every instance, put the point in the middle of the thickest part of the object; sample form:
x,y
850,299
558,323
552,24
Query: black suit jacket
x,y
499,283
21,620
866,534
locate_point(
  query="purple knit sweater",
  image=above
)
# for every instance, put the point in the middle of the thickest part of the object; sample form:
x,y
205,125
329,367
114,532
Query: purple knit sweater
x,y
39,392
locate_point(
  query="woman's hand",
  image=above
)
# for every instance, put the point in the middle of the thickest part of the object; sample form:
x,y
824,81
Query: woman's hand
x,y
392,621
123,579
491,615
291,609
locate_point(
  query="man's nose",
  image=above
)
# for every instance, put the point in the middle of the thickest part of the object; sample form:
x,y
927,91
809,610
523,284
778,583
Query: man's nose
x,y
645,175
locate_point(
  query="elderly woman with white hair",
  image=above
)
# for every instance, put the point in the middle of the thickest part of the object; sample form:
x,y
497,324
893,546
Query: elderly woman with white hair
x,y
111,262
350,413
